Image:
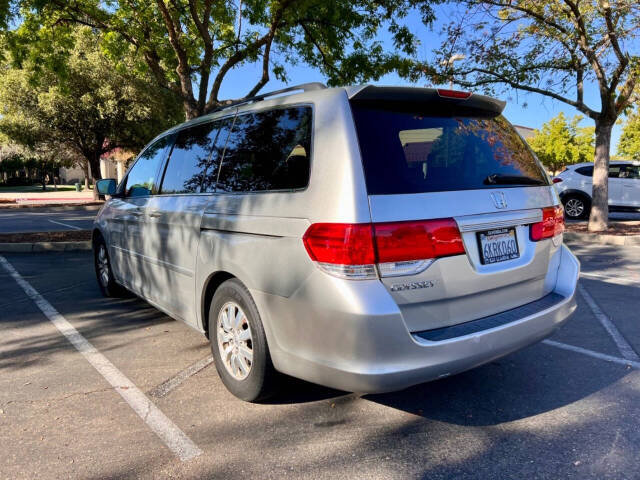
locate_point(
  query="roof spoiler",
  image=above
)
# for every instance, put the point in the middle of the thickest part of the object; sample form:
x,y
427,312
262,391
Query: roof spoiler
x,y
433,101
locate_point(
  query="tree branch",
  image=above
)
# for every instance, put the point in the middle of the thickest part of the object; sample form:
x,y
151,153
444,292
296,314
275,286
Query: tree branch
x,y
265,70
241,55
498,78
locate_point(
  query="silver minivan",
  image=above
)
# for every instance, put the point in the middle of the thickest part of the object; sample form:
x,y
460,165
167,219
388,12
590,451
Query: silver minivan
x,y
363,238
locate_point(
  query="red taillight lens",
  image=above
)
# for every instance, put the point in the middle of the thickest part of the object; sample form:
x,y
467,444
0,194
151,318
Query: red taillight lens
x,y
557,180
453,93
402,241
552,224
340,243
353,244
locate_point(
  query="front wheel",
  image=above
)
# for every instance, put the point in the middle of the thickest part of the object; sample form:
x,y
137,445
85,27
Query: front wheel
x,y
238,343
576,207
104,273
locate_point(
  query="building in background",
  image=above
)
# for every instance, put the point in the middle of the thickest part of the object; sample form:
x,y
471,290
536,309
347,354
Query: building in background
x,y
525,132
113,164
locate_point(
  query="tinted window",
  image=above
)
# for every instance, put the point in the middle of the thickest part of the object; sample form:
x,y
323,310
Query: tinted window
x,y
223,128
614,171
190,159
630,171
586,171
141,177
413,153
268,151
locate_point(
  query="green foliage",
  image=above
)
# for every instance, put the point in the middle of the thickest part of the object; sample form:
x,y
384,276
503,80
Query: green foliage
x,y
629,146
90,109
550,47
553,48
561,142
189,46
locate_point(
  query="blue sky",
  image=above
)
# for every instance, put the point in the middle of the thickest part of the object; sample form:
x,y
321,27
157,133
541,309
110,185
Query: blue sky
x,y
522,108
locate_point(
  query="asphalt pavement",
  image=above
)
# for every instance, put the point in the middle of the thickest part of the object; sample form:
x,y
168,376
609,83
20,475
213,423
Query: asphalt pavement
x,y
569,408
47,219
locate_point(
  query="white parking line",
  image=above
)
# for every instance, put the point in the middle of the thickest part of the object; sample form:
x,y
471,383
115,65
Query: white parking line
x,y
65,225
591,353
165,387
623,346
618,280
169,433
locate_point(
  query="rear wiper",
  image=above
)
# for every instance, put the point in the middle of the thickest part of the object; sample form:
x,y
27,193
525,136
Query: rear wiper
x,y
500,179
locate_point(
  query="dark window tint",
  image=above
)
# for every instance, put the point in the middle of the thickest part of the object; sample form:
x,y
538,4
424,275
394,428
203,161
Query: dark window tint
x,y
141,177
221,134
586,171
268,151
190,159
614,171
630,171
413,153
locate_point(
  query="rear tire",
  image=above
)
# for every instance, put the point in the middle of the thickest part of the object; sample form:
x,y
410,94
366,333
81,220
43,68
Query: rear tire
x,y
576,207
104,273
239,345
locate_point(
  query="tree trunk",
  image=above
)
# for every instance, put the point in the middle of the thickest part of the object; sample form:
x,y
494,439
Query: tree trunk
x,y
85,169
94,167
599,217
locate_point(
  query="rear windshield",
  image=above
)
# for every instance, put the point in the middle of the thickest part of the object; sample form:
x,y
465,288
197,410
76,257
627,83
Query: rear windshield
x,y
413,153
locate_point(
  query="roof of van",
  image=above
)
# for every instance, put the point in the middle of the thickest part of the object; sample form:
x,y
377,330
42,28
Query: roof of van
x,y
445,102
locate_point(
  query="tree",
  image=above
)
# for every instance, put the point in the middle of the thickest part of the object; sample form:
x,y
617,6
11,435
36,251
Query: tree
x,y
555,48
629,145
189,46
90,106
561,142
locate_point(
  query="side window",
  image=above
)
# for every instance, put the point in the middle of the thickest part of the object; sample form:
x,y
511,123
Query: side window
x,y
630,171
586,171
190,159
268,151
614,171
219,142
140,179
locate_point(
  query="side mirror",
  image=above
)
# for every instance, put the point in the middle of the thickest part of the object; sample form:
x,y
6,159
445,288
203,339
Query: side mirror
x,y
106,186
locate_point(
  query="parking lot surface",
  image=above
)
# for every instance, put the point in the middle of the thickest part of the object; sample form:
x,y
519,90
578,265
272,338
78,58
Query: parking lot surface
x,y
47,219
566,409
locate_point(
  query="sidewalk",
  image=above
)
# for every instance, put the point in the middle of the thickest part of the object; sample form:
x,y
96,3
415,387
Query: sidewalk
x,y
49,197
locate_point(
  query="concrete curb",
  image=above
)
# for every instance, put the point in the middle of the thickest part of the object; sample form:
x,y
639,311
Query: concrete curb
x,y
619,240
44,247
61,206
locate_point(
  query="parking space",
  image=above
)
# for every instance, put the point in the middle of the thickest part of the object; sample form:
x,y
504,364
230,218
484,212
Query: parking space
x,y
544,412
47,219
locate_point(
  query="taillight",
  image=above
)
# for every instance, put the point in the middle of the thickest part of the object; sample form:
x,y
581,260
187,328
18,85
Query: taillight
x,y
401,241
397,248
552,224
557,180
453,93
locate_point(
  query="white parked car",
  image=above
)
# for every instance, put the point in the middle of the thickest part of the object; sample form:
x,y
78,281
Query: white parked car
x,y
574,185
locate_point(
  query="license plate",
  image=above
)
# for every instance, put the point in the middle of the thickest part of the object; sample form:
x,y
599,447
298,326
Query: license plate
x,y
498,245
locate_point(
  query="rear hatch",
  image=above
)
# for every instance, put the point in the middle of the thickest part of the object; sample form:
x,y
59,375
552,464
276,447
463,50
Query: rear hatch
x,y
430,154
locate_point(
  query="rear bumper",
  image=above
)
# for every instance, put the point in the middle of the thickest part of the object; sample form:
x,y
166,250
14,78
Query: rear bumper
x,y
366,349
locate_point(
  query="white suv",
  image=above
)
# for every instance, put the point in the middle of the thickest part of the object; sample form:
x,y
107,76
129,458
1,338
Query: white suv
x,y
574,185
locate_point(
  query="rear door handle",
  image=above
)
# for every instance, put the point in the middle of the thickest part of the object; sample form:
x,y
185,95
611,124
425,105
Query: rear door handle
x,y
154,214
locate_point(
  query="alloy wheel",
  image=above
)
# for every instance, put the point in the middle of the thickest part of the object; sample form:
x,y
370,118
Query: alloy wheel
x,y
574,207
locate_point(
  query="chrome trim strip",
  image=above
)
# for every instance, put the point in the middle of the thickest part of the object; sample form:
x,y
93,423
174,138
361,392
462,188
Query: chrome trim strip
x,y
490,221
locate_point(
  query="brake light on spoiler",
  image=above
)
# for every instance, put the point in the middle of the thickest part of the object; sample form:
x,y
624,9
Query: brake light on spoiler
x,y
362,250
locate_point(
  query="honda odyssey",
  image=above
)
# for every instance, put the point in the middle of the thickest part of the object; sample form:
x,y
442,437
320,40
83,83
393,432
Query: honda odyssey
x,y
363,238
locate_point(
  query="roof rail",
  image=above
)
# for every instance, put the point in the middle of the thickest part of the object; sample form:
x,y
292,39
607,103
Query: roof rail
x,y
305,87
